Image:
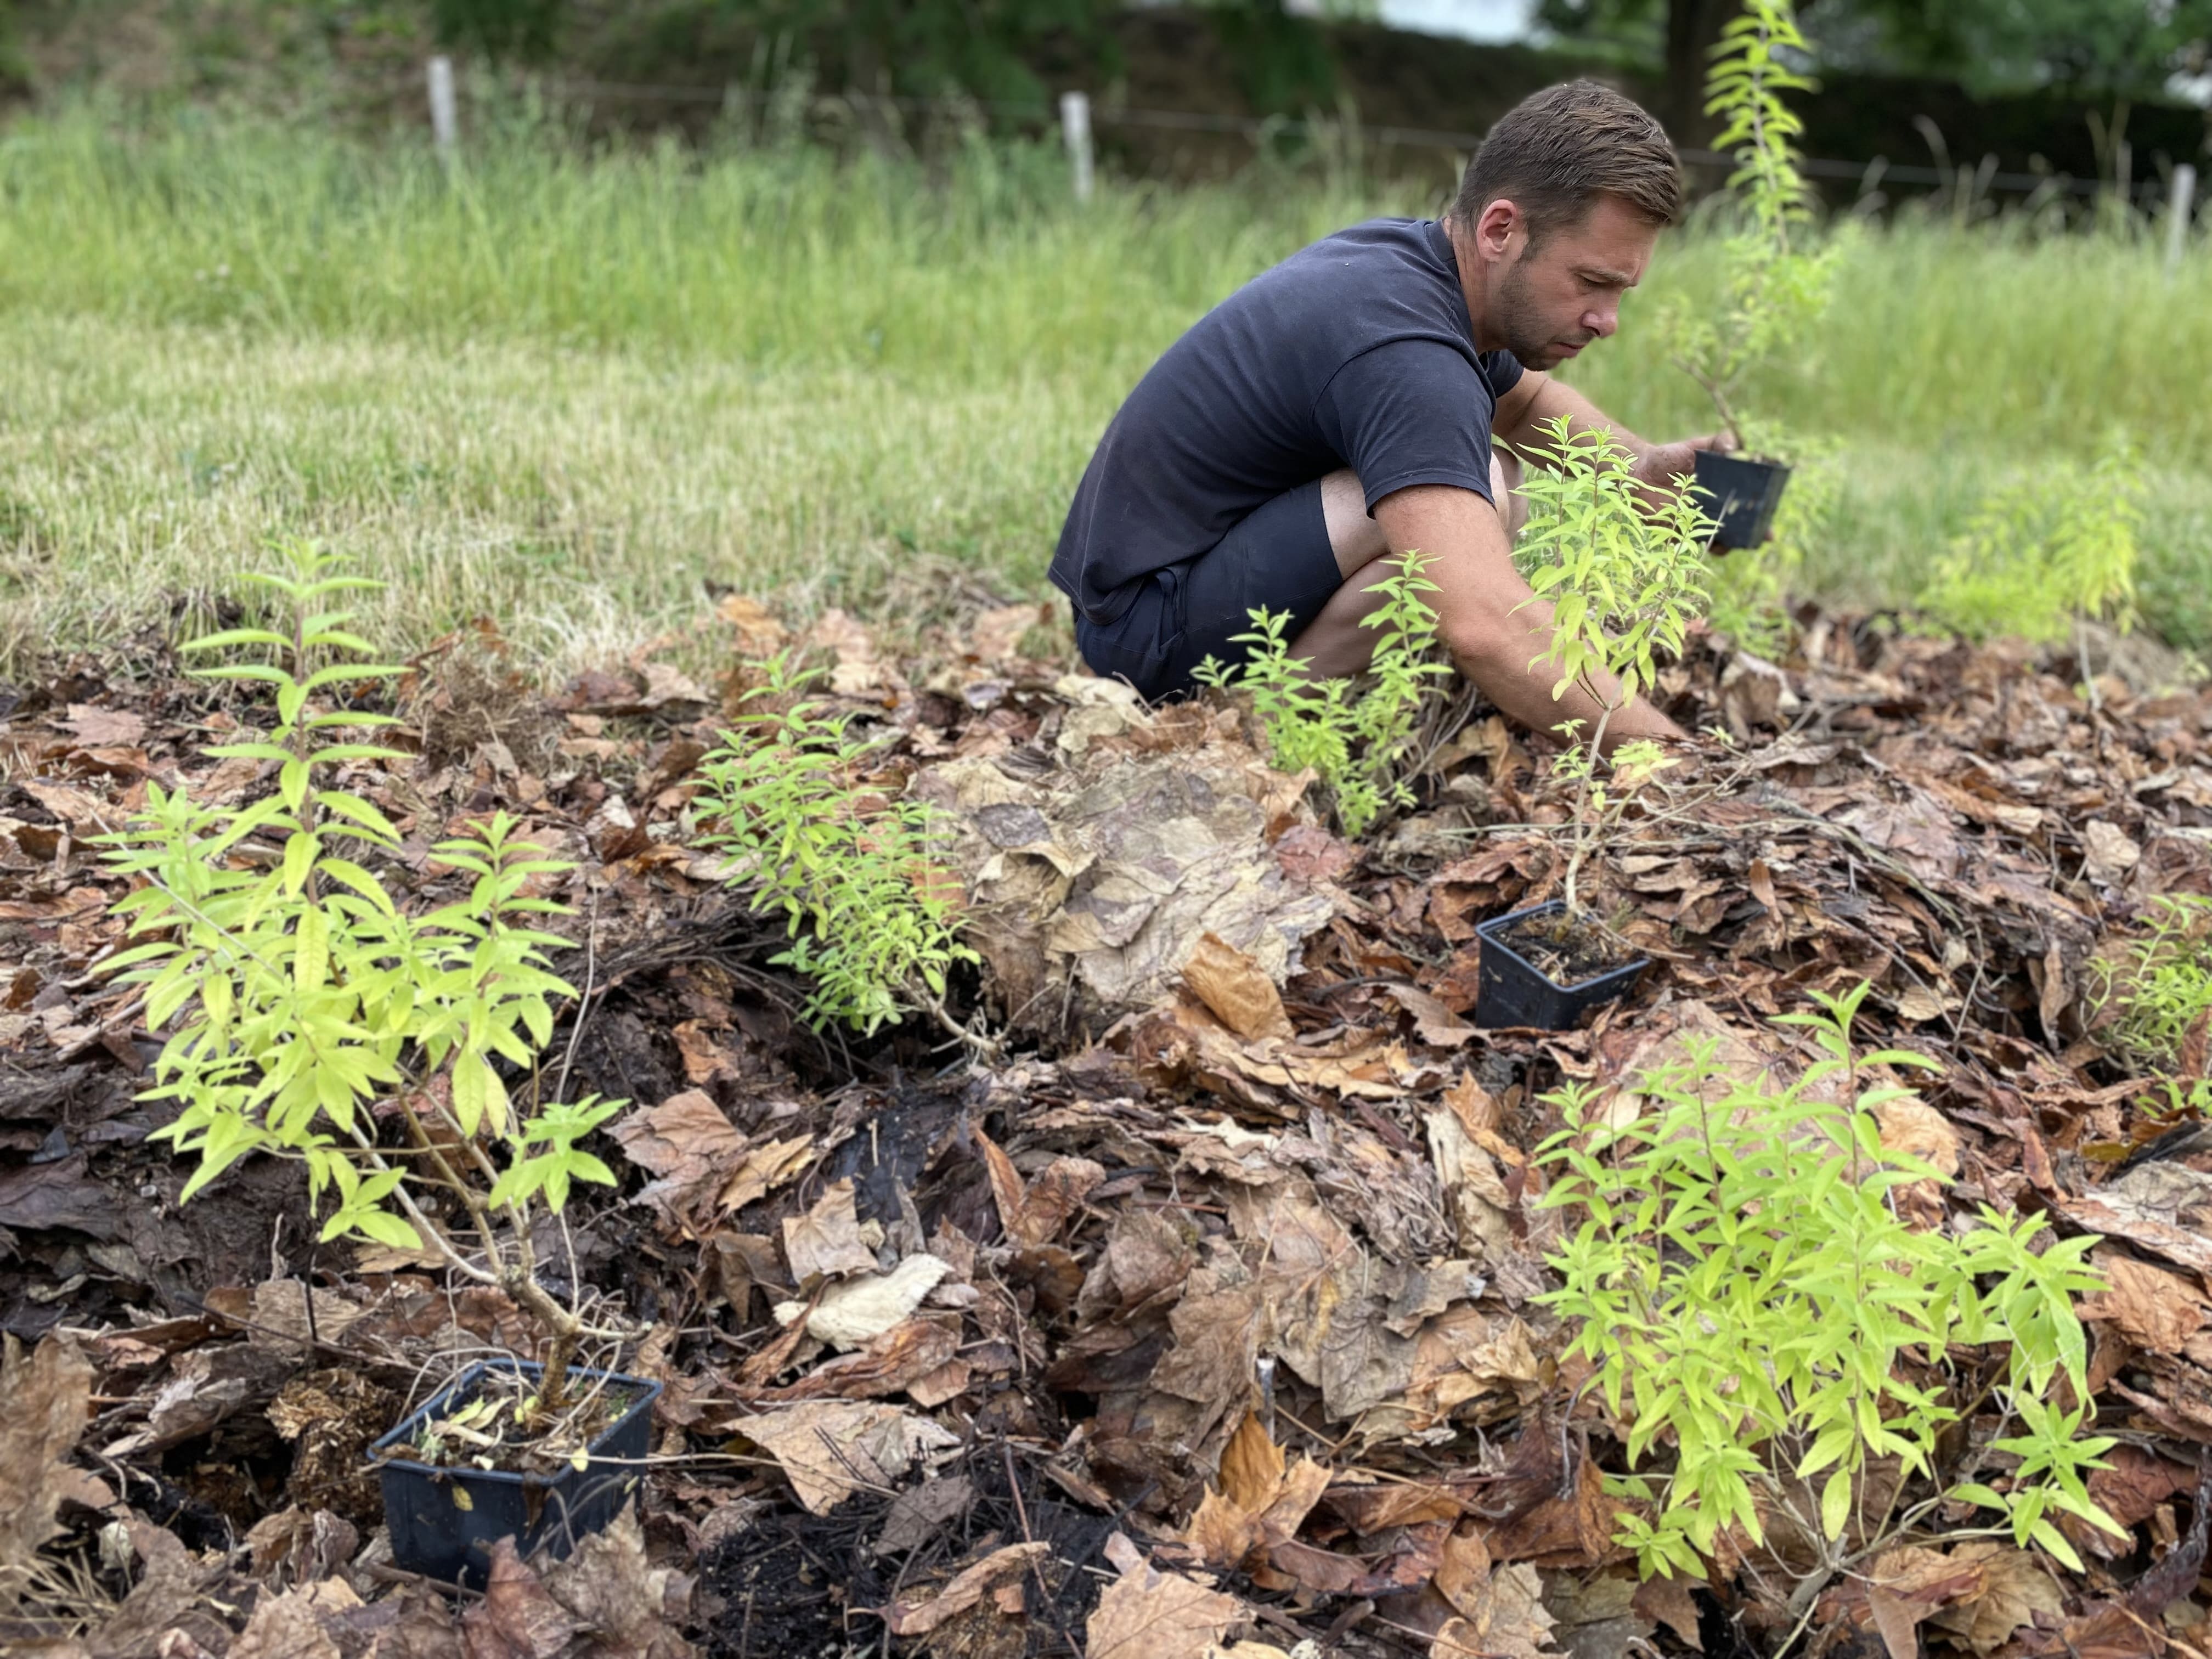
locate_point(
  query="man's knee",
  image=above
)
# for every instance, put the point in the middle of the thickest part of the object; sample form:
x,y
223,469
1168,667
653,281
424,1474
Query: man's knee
x,y
1356,539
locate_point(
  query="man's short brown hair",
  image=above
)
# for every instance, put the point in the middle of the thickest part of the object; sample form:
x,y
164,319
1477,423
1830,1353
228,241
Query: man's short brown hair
x,y
1554,152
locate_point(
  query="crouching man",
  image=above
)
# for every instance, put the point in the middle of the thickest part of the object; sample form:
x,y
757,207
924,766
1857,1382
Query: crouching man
x,y
1364,398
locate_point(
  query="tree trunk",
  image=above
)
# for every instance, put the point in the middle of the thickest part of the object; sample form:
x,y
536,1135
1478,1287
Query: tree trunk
x,y
1693,27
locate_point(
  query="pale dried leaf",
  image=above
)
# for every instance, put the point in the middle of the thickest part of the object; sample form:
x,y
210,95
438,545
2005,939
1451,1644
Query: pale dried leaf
x,y
2151,1308
860,1309
1148,1614
47,1393
918,1615
1235,988
2016,1587
826,1242
772,1164
830,1449
518,1617
1912,1125
1435,1024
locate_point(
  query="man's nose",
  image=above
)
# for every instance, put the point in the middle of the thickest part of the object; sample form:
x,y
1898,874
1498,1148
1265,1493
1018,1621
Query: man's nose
x,y
1604,321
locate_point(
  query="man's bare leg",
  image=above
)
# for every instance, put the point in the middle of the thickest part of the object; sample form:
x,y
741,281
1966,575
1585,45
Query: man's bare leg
x,y
1334,643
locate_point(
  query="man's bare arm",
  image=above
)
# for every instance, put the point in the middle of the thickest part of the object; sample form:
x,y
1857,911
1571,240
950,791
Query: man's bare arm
x,y
1536,398
1495,630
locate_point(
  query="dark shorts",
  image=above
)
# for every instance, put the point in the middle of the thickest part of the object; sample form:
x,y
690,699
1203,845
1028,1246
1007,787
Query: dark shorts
x,y
1278,558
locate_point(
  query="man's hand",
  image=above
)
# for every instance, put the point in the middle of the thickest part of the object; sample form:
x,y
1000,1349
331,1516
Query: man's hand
x,y
1660,465
1497,630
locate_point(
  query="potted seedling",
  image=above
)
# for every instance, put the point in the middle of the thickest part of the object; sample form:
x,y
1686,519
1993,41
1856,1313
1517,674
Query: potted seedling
x,y
308,1016
1626,580
1774,291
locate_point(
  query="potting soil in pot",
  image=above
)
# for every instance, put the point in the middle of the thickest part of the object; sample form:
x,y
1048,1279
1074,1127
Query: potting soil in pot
x,y
481,1429
1566,950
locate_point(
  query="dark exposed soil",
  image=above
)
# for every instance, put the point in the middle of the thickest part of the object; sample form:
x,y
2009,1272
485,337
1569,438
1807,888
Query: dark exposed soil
x,y
801,1585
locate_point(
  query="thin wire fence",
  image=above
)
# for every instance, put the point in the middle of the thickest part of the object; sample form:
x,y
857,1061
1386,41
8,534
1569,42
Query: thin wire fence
x,y
1983,177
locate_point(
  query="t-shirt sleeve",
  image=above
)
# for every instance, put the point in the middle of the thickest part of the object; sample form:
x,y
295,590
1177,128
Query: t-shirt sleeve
x,y
1503,370
1409,412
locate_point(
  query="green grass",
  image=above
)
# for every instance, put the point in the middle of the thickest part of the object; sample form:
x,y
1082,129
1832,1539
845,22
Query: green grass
x,y
570,391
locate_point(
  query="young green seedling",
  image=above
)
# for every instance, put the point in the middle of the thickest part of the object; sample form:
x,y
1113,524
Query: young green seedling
x,y
303,1004
1625,581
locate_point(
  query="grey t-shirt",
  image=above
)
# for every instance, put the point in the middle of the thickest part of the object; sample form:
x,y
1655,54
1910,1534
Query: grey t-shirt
x,y
1356,352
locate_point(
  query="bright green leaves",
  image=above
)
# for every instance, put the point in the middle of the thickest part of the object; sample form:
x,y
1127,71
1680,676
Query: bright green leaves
x,y
873,923
1625,579
2058,548
2155,990
1775,292
1356,737
1754,1305
296,995
557,1129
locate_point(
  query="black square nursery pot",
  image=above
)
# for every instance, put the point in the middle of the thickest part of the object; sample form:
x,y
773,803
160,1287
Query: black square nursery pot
x,y
1742,493
443,1521
1511,990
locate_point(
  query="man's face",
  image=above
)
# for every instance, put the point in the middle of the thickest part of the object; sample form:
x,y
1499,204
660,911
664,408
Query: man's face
x,y
1546,305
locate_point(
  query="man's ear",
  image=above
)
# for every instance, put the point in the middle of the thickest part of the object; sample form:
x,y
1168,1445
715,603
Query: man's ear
x,y
1497,227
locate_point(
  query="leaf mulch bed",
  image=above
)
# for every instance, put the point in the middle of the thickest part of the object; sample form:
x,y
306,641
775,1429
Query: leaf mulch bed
x,y
1193,1309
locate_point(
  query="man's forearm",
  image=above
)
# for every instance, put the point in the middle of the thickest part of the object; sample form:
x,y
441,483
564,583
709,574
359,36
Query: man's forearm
x,y
1507,661
1549,400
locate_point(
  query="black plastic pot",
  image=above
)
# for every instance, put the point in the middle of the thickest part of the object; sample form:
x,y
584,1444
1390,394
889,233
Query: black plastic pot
x,y
445,1520
1511,990
1741,493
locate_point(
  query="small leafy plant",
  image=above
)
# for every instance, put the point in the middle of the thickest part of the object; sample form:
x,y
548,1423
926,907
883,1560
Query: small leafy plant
x,y
1762,1320
2044,557
310,1017
1356,736
871,921
1625,581
2154,996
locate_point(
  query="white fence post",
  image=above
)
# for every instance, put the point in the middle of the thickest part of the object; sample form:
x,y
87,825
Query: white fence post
x,y
444,127
1075,127
2177,214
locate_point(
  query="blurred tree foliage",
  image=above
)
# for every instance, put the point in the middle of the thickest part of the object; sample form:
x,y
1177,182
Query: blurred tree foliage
x,y
2098,48
987,49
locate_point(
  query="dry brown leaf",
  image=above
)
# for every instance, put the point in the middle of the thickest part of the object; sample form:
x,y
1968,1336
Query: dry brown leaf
x,y
1912,1125
1237,989
1907,1585
2151,1308
830,1449
633,1609
296,1625
2016,1587
518,1617
918,1615
1261,1501
826,1242
104,728
1498,1612
2109,856
1148,1614
1435,1024
47,1393
996,632
862,1308
689,1146
857,669
772,1164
